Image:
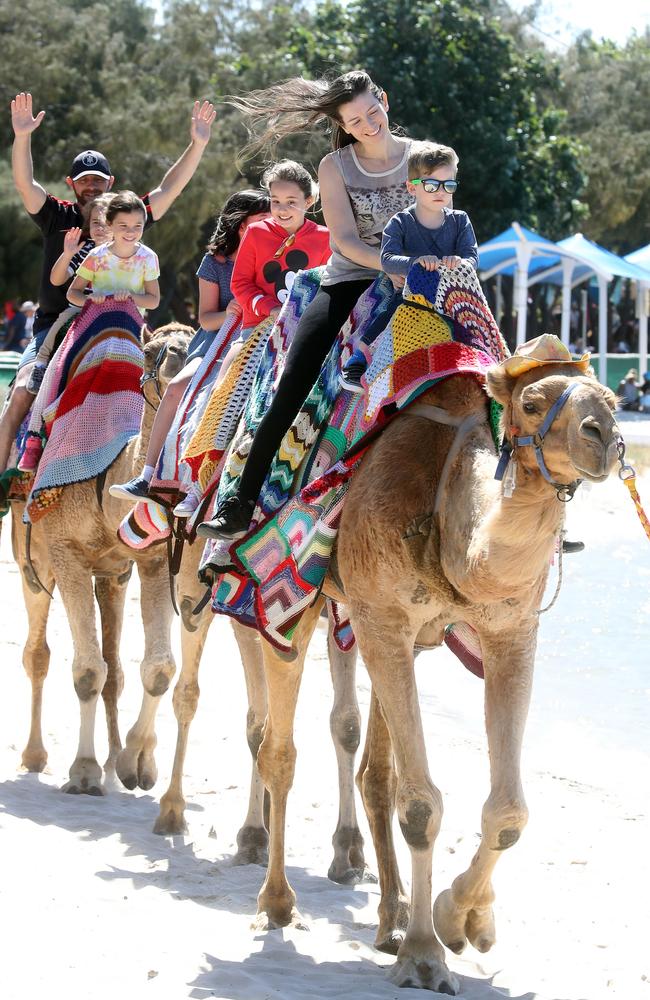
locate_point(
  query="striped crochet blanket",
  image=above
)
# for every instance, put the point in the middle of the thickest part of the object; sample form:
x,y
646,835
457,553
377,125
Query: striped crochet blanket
x,y
89,405
443,327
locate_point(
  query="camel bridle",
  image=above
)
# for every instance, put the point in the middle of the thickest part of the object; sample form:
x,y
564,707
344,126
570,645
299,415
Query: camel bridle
x,y
564,491
154,376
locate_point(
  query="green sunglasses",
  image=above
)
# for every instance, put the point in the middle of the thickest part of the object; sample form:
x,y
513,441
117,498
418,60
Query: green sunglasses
x,y
431,185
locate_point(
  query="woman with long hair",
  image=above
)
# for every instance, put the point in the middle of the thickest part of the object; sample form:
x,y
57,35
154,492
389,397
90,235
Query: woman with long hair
x,y
362,184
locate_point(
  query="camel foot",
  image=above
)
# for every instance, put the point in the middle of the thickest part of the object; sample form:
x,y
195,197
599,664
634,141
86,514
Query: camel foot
x,y
136,768
393,921
171,818
85,778
389,942
350,876
34,761
253,846
424,974
265,922
456,926
349,864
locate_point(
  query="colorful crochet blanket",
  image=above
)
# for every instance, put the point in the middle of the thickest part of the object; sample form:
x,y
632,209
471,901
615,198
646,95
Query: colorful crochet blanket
x,y
89,405
443,327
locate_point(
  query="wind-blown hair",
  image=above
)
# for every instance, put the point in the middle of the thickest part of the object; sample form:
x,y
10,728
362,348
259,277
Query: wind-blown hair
x,y
237,208
296,105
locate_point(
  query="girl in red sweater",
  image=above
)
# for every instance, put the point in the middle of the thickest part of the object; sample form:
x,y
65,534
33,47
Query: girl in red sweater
x,y
273,251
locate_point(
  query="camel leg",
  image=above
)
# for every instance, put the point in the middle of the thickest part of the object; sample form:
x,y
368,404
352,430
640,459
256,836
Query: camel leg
x,y
136,765
253,838
348,865
36,652
387,651
377,784
464,912
194,632
276,760
110,593
88,668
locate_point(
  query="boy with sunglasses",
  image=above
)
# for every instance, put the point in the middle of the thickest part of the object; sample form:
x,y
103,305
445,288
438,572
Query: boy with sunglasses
x,y
429,232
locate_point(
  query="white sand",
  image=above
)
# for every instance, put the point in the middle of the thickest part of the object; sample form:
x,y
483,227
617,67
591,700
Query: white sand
x,y
94,905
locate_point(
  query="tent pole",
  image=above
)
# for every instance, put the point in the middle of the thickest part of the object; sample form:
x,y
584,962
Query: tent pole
x,y
642,312
602,329
498,300
567,275
521,291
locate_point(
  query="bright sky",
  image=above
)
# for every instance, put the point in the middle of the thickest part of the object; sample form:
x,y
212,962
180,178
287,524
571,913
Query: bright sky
x,y
562,21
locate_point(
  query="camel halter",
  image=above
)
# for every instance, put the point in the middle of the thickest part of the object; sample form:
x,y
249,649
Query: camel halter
x,y
154,376
564,491
463,427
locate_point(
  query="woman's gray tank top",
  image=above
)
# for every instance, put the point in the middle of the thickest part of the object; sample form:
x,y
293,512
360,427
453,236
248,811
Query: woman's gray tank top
x,y
375,198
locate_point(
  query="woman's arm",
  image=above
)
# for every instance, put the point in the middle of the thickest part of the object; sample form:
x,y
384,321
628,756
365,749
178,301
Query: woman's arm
x,y
339,217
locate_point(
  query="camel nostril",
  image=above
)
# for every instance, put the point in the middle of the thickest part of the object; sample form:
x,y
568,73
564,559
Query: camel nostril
x,y
590,429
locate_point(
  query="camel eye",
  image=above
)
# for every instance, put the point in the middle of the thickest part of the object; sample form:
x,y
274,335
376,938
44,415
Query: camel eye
x,y
529,408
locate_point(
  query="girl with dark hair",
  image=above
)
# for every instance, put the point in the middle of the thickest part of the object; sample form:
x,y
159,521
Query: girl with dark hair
x,y
216,303
362,184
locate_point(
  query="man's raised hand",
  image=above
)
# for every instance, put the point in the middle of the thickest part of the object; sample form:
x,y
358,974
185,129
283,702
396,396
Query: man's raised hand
x,y
203,115
22,117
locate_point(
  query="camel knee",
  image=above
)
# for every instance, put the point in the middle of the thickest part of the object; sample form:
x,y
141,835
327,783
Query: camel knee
x,y
186,700
254,732
377,786
345,728
156,677
503,823
420,814
89,682
276,765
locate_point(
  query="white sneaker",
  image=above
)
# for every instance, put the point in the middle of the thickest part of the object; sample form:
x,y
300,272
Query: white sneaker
x,y
187,506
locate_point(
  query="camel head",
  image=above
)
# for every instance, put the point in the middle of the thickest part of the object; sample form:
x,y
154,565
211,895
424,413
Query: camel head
x,y
165,353
581,440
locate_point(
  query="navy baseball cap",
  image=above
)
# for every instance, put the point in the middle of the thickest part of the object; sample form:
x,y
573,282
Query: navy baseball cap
x,y
89,162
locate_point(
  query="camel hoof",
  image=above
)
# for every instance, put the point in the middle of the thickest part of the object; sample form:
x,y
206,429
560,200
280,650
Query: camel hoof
x,y
252,844
265,922
389,942
350,876
170,823
424,974
480,929
455,926
35,763
82,788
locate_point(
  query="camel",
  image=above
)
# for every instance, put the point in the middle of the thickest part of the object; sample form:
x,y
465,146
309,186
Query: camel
x,y
411,561
97,549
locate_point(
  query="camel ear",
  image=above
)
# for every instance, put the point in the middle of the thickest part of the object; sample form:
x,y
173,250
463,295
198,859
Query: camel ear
x,y
500,385
146,334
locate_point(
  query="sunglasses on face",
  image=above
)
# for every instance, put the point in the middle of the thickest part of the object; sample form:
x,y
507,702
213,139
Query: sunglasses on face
x,y
431,185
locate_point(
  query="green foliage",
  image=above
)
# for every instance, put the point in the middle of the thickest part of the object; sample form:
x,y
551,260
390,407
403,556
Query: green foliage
x,y
608,92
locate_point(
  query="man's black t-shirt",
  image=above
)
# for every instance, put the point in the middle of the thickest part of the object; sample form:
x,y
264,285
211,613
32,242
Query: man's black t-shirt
x,y
54,220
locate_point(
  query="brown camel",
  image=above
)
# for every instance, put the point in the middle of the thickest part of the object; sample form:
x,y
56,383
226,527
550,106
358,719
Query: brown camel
x,y
411,562
98,548
75,543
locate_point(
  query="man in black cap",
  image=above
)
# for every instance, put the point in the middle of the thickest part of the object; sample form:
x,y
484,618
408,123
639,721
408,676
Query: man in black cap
x,y
90,176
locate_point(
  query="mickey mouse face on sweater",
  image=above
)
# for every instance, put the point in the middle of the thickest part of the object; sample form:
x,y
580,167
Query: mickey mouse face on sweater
x,y
283,278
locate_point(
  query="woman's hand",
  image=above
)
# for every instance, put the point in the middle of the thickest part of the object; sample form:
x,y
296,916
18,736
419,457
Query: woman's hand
x,y
398,281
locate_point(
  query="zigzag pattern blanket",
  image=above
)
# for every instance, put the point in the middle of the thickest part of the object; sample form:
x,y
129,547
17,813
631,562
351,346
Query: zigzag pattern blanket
x,y
443,327
89,405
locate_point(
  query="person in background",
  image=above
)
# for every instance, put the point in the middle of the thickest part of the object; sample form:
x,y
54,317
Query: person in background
x,y
629,391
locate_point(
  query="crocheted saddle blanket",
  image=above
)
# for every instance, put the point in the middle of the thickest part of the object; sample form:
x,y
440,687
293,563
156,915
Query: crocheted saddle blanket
x,y
89,405
444,327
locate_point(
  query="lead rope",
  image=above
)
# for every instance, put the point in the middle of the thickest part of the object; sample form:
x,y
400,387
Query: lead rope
x,y
627,475
560,540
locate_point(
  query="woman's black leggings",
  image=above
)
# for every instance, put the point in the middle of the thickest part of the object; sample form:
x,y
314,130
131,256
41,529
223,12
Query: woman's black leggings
x,y
312,341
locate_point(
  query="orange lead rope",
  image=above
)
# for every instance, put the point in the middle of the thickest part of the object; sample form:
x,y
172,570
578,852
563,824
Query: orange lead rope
x,y
627,474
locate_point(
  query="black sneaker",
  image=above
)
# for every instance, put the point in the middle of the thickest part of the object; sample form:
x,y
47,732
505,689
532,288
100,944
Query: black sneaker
x,y
231,520
36,379
568,547
135,489
350,377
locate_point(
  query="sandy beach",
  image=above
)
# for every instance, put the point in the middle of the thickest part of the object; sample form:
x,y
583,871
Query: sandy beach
x,y
95,906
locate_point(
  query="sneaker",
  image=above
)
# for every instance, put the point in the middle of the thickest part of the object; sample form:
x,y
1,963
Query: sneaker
x,y
135,489
36,379
187,506
568,547
350,377
231,521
